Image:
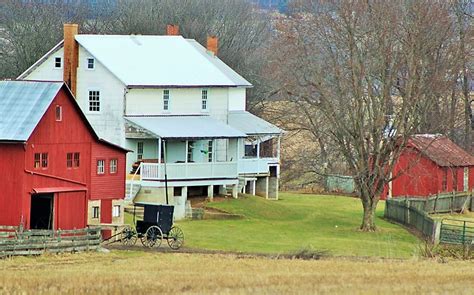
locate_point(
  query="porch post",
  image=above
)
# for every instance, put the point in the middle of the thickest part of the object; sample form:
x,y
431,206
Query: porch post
x,y
258,149
159,157
278,147
186,149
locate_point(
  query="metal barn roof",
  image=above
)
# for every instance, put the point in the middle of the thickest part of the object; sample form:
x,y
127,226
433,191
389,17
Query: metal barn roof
x,y
192,127
251,124
160,61
22,105
441,150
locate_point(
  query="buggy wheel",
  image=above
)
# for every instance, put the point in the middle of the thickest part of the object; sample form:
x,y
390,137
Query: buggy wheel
x,y
128,237
153,237
175,238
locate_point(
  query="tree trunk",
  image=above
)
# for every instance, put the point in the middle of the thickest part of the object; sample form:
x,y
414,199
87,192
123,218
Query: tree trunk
x,y
368,220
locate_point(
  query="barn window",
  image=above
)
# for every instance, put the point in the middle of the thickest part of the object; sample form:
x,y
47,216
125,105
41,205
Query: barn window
x,y
44,160
76,160
204,99
116,211
100,166
113,166
166,99
94,100
95,212
58,62
69,160
90,63
37,163
59,113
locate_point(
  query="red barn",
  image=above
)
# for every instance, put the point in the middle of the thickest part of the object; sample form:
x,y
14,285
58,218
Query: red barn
x,y
56,172
432,164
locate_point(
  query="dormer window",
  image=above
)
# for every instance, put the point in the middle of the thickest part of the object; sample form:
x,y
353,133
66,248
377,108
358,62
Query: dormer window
x,y
59,113
90,63
58,62
166,100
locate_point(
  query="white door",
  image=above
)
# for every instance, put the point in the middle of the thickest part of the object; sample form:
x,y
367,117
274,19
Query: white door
x,y
466,179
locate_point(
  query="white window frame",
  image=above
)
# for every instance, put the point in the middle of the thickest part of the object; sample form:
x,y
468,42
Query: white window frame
x,y
94,210
60,63
116,211
205,100
113,166
166,100
100,166
87,63
89,100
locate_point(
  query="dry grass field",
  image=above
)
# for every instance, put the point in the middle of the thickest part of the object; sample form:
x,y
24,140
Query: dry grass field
x,y
125,272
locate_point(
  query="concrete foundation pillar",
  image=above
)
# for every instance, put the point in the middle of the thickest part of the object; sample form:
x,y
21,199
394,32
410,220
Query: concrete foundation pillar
x,y
261,187
253,183
210,192
222,190
235,191
180,204
273,185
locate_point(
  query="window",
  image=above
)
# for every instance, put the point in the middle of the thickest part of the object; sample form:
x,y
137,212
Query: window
x,y
177,191
113,166
166,100
76,160
59,113
69,160
116,211
44,160
100,166
190,151
204,99
139,151
37,163
58,63
95,212
90,63
94,100
209,151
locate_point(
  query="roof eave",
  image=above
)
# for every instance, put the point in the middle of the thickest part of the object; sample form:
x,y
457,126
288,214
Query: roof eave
x,y
185,86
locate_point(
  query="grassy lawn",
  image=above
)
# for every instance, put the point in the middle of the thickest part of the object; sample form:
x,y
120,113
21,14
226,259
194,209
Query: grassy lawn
x,y
296,222
134,272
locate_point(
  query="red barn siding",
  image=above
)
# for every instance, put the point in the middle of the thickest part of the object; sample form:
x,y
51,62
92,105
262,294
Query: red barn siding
x,y
12,163
107,186
70,208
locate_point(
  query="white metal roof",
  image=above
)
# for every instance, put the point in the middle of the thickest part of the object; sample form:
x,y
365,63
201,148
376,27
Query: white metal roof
x,y
251,124
22,105
160,61
185,127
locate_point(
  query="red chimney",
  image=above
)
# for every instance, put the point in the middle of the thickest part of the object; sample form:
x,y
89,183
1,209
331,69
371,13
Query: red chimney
x,y
71,56
172,30
213,44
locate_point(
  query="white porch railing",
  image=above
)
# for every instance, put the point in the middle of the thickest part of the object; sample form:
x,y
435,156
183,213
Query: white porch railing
x,y
154,171
255,165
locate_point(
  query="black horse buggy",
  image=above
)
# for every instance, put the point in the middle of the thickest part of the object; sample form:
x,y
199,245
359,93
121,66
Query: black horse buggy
x,y
156,226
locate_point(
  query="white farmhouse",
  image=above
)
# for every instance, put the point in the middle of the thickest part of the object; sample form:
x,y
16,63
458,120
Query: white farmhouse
x,y
176,105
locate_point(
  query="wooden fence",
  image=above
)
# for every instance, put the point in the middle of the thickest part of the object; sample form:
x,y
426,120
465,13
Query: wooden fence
x,y
414,212
15,241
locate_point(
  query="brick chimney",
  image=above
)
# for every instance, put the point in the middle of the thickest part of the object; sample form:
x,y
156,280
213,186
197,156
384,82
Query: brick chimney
x,y
71,56
213,44
172,30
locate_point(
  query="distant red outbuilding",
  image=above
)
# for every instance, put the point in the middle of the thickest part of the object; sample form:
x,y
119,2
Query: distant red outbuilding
x,y
432,164
56,173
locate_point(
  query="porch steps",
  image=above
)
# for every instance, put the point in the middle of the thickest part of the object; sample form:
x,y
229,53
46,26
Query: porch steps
x,y
136,189
240,187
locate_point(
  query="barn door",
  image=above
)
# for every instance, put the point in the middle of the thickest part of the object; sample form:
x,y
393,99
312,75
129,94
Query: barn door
x,y
41,212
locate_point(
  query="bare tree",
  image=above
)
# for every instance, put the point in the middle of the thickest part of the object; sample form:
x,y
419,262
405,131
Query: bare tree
x,y
372,70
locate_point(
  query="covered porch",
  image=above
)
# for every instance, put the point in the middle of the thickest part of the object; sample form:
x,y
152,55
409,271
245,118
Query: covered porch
x,y
181,148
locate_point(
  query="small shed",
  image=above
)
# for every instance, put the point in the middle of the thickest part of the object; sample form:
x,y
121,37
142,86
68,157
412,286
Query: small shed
x,y
431,164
